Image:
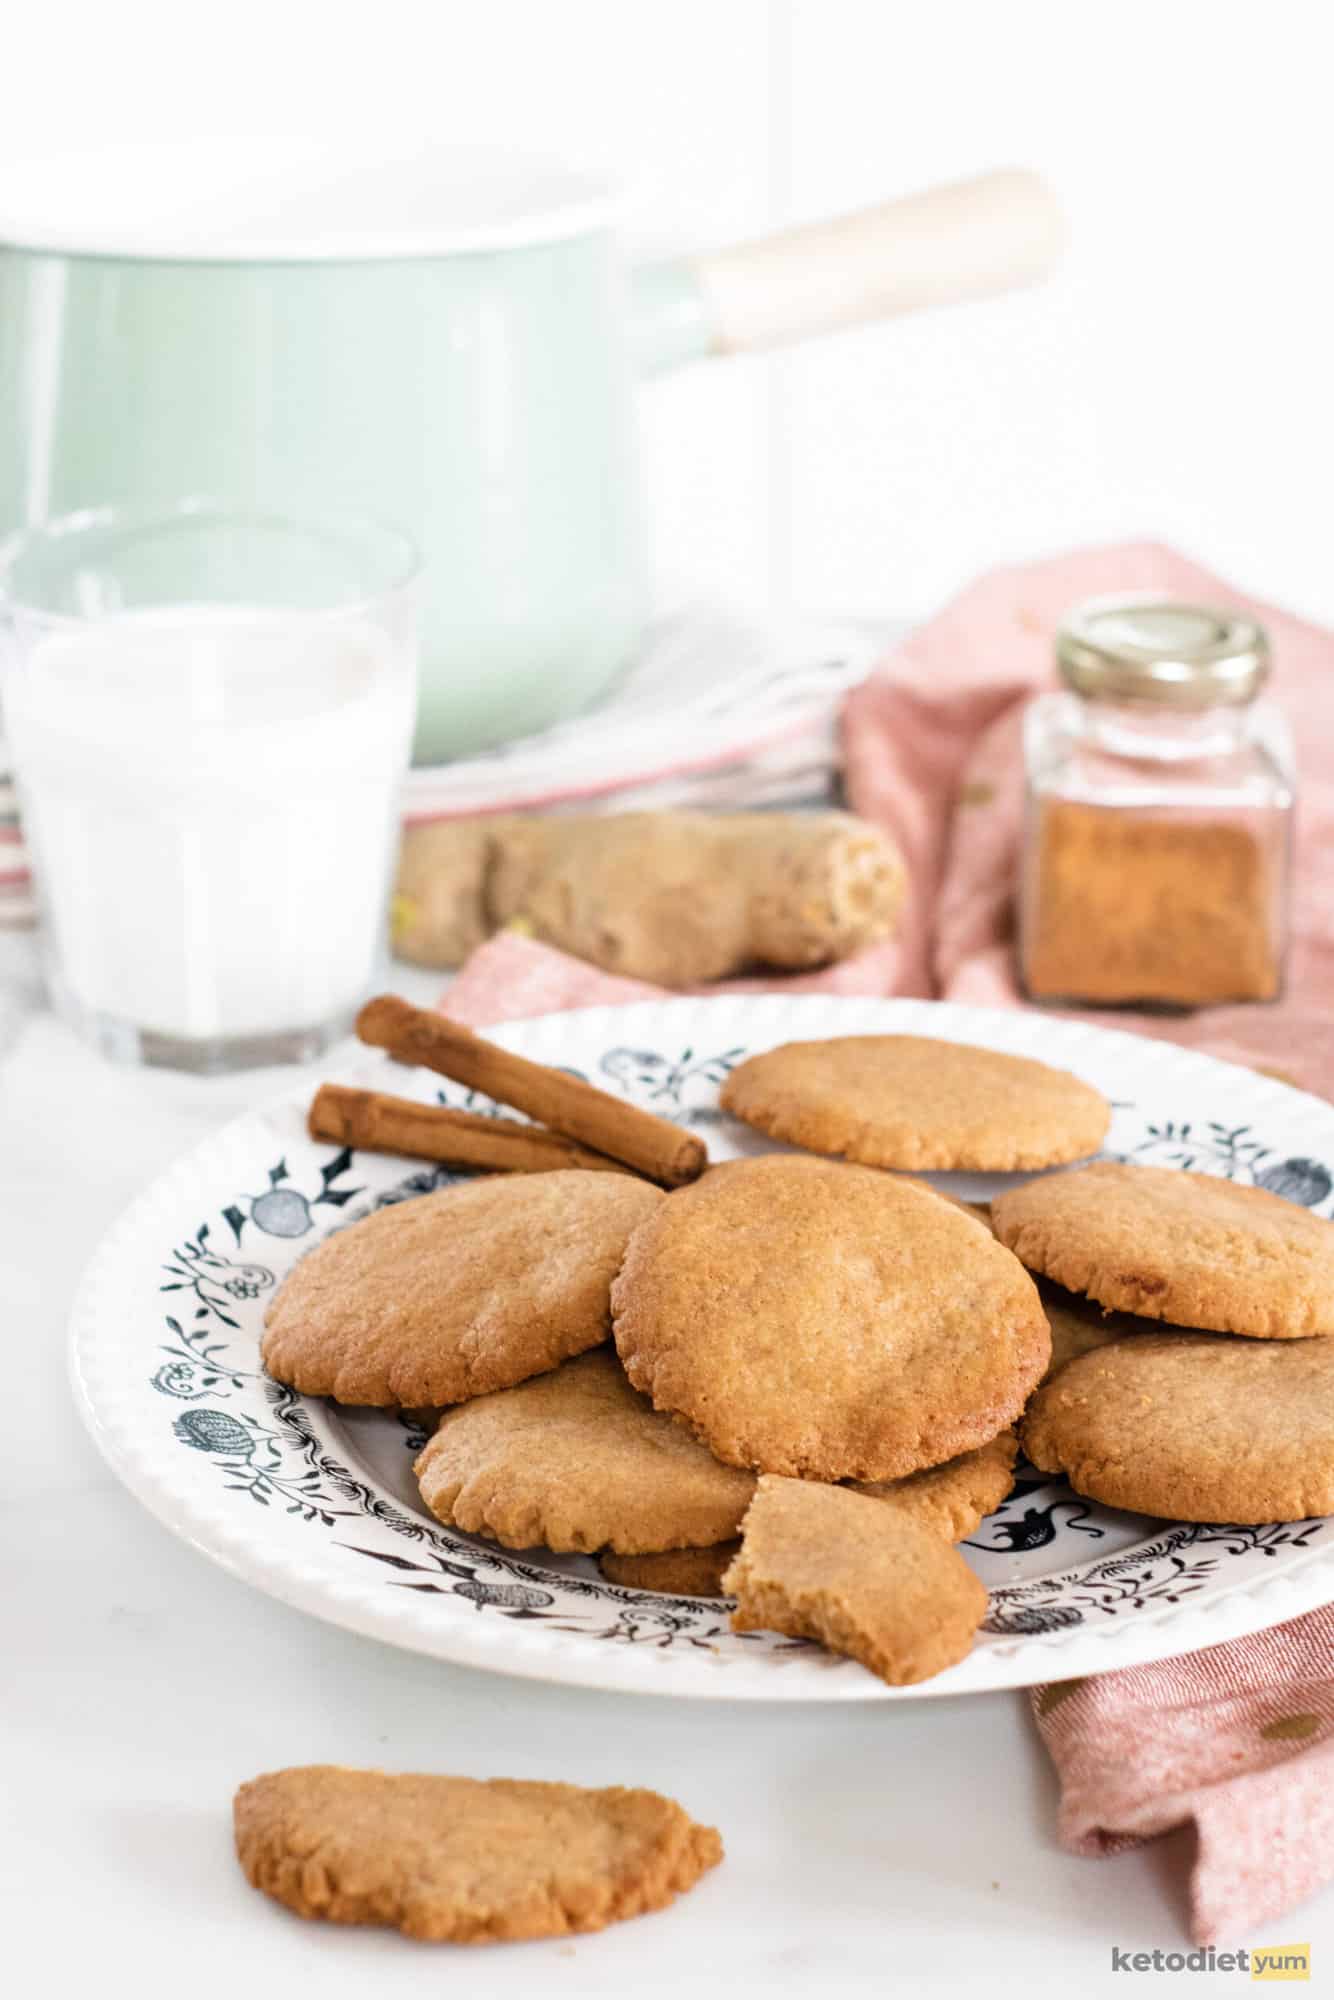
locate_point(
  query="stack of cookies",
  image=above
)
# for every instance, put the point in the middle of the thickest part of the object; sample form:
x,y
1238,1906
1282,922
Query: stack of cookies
x,y
796,1379
1199,1382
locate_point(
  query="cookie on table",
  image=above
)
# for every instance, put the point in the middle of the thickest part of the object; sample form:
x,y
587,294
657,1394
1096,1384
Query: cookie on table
x,y
578,1460
907,1101
822,1562
455,1293
826,1321
1193,1427
464,1860
1169,1245
677,1572
951,1499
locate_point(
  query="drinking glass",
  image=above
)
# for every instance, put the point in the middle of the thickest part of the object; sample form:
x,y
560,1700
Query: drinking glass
x,y
209,712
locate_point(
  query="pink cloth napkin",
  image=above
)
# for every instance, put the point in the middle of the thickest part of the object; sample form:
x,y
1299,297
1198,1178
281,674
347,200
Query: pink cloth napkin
x,y
510,977
1239,1739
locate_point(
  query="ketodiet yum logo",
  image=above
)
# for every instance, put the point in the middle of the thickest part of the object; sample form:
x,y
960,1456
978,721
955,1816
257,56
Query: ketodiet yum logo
x,y
1263,1961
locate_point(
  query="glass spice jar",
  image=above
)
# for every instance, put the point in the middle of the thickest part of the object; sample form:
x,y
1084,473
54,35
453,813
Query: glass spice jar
x,y
1157,841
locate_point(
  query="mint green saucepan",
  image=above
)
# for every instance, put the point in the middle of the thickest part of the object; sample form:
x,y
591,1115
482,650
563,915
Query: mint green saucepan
x,y
446,341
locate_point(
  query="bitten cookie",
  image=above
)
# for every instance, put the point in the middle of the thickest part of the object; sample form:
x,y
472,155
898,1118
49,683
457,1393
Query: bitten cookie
x,y
826,1321
1193,1427
455,1293
908,1101
463,1860
1191,1248
951,1500
820,1562
578,1460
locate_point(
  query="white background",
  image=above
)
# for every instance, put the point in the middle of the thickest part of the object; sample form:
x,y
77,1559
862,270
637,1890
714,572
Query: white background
x,y
1172,381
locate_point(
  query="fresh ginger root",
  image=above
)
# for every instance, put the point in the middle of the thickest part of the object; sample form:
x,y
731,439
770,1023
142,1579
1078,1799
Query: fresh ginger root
x,y
676,898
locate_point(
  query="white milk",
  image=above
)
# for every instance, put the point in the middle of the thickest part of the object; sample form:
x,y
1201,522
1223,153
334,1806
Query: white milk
x,y
211,796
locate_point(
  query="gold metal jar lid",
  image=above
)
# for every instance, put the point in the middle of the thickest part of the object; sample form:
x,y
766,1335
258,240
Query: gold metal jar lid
x,y
1157,649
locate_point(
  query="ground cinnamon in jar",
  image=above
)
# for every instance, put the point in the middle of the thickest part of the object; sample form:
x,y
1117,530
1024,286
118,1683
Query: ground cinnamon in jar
x,y
1132,908
1160,796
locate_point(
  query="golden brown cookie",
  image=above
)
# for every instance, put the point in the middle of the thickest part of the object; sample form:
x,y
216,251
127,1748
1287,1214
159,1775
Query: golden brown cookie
x,y
578,1460
953,1499
909,1101
1193,1427
821,1562
464,1860
979,1210
458,1292
826,1321
1078,1325
1175,1246
677,1572
950,1499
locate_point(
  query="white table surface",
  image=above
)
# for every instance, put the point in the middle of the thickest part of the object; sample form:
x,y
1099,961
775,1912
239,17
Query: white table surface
x,y
897,1849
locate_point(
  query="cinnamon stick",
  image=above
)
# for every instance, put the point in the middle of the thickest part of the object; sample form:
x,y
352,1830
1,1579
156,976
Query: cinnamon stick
x,y
566,1104
373,1122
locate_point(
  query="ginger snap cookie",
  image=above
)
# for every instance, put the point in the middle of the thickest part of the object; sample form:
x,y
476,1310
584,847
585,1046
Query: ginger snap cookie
x,y
464,1860
677,1572
912,1102
951,1499
979,1210
1169,1245
1193,1427
955,1498
822,1562
455,1293
826,1321
578,1460
1078,1325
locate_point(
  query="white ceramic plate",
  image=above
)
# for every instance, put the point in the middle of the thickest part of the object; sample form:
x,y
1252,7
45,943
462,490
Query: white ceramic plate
x,y
317,1504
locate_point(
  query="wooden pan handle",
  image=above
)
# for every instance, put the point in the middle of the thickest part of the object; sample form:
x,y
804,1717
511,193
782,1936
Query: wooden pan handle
x,y
965,241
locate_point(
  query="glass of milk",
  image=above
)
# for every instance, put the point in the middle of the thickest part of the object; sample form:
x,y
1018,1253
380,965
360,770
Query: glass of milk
x,y
209,712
